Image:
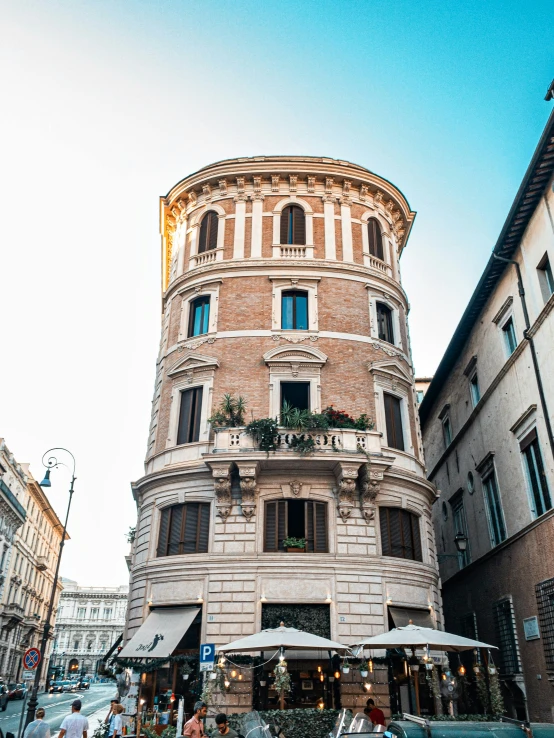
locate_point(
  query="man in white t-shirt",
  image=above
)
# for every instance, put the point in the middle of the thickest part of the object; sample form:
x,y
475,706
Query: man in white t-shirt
x,y
74,725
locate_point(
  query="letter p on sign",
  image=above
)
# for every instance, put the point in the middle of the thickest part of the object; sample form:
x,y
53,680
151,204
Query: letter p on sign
x,y
207,656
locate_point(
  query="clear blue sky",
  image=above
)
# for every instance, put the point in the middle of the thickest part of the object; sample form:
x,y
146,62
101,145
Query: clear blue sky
x,y
107,104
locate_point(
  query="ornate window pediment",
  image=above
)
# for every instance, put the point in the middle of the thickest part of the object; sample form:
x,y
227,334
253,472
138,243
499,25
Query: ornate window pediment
x,y
287,356
390,369
193,363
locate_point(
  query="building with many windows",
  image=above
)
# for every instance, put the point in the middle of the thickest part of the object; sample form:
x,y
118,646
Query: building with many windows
x,y
30,553
281,285
487,426
90,620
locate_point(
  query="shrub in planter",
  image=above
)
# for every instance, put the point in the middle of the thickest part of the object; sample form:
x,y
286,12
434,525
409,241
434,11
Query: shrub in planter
x,y
309,723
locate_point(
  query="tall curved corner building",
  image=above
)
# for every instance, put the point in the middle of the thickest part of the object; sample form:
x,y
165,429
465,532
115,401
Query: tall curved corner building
x,y
281,285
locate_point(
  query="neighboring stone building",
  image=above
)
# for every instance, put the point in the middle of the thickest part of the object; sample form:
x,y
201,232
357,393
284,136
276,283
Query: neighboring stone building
x,y
281,283
90,619
487,426
29,568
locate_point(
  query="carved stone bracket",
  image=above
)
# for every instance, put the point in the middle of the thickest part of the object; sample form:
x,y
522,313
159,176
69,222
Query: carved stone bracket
x,y
222,488
369,482
248,488
346,477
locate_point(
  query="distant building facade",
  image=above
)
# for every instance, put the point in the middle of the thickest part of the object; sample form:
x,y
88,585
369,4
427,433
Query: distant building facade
x,y
421,386
90,619
28,560
487,431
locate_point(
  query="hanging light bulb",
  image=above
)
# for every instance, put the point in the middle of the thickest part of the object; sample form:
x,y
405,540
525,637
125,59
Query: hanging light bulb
x,y
282,654
462,670
221,660
227,683
321,678
234,673
367,687
444,677
240,677
321,704
371,666
319,669
337,674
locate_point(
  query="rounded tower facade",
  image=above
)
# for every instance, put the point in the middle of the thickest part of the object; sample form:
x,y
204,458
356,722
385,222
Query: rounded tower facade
x,y
281,286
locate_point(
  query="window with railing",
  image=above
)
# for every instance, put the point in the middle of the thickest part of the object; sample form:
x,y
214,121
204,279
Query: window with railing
x,y
375,239
208,232
545,601
504,620
293,225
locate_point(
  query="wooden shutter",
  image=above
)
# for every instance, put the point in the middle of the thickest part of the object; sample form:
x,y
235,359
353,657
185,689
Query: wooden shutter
x,y
298,225
203,528
285,216
203,240
396,548
320,527
164,532
375,239
271,543
309,530
213,223
406,535
418,556
282,510
185,416
194,429
393,420
175,530
385,531
190,534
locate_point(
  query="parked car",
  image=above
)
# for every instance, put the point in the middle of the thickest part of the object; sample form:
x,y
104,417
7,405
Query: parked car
x,y
3,697
56,686
16,691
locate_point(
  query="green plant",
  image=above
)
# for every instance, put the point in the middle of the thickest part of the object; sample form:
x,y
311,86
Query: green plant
x,y
304,444
292,542
292,417
496,699
363,665
282,681
264,432
131,534
148,732
309,723
169,732
230,412
102,730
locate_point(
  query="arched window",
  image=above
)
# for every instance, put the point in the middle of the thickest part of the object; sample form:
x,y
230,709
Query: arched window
x,y
208,232
293,225
375,239
294,310
184,529
400,535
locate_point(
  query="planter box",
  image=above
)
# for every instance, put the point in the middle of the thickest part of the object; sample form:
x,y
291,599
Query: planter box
x,y
295,549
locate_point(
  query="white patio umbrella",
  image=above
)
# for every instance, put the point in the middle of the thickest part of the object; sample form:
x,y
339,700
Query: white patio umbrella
x,y
282,637
415,636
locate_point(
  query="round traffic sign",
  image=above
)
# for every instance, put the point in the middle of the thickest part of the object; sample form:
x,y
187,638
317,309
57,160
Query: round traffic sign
x,y
31,658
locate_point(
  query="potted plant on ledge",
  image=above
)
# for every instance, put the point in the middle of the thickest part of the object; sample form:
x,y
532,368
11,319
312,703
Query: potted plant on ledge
x,y
296,545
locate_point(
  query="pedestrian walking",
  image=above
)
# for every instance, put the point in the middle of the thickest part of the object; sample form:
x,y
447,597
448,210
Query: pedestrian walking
x,y
117,724
38,728
74,725
222,727
194,728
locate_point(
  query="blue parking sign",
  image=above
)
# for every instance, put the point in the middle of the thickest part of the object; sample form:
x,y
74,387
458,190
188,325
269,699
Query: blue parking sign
x,y
207,656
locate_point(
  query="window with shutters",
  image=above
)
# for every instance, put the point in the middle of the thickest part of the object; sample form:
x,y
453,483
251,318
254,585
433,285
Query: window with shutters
x,y
546,278
545,602
509,333
400,535
208,232
184,529
495,514
296,519
385,329
189,416
293,225
294,310
539,496
199,316
375,239
393,420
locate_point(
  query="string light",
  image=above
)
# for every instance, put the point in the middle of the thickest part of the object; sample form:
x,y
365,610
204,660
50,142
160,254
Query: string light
x,y
319,669
321,704
462,670
337,675
234,673
321,678
240,677
371,666
227,684
367,687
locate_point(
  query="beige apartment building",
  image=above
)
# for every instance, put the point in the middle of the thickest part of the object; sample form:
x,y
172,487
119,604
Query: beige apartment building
x,y
281,284
487,426
29,570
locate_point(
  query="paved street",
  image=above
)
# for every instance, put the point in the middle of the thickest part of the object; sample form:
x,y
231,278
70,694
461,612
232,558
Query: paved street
x,y
57,706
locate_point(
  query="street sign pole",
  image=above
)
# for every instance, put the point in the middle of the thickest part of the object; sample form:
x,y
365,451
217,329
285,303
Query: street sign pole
x,y
23,711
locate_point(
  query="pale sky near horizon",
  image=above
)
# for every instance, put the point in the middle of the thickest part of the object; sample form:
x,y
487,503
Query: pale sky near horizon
x,y
106,105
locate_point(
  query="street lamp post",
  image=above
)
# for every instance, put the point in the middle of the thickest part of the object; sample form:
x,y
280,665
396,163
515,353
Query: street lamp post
x,y
50,463
460,539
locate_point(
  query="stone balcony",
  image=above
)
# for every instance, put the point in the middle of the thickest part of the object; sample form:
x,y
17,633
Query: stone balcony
x,y
42,563
341,440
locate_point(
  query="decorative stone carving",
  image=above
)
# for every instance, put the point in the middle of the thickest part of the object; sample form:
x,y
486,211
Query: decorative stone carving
x,y
257,186
248,488
207,190
311,184
193,198
346,187
222,186
293,182
389,206
329,185
346,477
275,183
241,195
223,499
363,191
295,488
369,483
378,197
